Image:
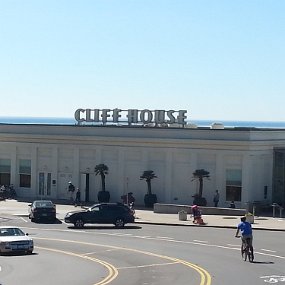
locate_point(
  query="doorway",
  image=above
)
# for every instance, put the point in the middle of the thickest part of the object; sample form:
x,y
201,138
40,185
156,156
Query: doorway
x,y
44,184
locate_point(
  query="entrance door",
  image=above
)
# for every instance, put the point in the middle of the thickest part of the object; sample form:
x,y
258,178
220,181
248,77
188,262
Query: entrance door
x,y
44,184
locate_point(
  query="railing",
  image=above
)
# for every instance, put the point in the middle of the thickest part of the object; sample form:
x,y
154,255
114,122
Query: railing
x,y
275,206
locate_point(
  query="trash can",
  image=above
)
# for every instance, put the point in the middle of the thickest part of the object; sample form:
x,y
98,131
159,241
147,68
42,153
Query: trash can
x,y
182,215
250,218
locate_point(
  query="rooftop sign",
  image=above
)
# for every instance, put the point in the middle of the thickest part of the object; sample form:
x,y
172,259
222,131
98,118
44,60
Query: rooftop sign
x,y
130,116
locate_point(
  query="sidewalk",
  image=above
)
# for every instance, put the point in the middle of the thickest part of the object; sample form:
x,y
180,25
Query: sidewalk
x,y
13,207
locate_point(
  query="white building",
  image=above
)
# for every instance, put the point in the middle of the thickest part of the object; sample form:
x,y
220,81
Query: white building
x,y
245,164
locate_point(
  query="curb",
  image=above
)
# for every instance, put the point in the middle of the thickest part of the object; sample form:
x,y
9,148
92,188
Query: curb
x,y
204,226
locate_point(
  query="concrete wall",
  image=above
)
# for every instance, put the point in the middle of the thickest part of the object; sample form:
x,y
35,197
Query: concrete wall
x,y
173,154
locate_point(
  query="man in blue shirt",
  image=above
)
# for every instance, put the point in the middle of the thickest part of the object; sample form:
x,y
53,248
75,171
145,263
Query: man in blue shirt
x,y
246,233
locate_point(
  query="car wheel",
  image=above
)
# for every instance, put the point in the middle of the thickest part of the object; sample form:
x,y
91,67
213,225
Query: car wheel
x,y
79,223
119,223
29,252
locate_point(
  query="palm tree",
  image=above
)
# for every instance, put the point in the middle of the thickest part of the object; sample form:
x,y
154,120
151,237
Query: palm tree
x,y
102,170
200,174
149,198
148,175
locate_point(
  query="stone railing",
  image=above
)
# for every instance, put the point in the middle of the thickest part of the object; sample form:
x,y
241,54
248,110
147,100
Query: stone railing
x,y
174,209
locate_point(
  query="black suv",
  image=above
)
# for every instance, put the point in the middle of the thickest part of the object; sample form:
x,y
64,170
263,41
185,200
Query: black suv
x,y
103,213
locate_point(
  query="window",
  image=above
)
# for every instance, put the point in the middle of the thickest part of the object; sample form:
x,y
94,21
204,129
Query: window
x,y
5,170
25,173
233,184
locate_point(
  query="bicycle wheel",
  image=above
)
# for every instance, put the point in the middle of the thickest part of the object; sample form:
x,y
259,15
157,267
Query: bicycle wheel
x,y
250,256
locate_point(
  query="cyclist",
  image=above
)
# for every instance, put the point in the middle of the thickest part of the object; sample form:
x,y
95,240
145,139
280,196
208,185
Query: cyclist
x,y
246,232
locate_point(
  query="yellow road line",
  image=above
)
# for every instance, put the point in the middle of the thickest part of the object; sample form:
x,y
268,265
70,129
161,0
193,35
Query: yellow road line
x,y
204,275
113,272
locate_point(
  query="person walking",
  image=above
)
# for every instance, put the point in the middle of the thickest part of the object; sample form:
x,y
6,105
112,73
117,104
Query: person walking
x,y
216,198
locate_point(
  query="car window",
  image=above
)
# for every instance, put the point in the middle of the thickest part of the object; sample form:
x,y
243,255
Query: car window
x,y
11,232
94,209
44,204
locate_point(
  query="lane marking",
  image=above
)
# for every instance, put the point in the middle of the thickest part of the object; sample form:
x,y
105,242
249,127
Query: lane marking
x,y
268,250
205,277
203,241
21,218
147,265
228,246
113,272
159,237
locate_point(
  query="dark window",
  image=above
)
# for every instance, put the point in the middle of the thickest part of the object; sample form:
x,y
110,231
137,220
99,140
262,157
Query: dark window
x,y
25,180
233,184
25,173
5,170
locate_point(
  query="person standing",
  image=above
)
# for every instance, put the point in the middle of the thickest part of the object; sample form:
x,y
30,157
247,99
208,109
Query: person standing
x,y
77,198
216,198
71,190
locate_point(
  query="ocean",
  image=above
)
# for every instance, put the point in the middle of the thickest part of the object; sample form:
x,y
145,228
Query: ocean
x,y
199,123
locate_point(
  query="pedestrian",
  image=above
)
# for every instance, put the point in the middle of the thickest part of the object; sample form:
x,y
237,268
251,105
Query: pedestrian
x,y
71,190
216,198
77,197
232,205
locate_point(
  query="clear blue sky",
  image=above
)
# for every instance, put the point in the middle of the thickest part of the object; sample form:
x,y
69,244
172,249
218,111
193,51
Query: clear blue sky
x,y
220,60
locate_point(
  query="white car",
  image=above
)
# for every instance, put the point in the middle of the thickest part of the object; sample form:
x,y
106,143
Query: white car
x,y
13,239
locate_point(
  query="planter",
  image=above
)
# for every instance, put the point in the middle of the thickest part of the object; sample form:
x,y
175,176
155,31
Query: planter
x,y
150,200
103,196
199,201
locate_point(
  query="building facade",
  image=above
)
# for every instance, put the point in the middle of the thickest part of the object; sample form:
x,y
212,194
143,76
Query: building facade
x,y
245,164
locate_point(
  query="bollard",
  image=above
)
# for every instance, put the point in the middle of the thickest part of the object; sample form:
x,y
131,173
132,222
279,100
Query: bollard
x,y
182,215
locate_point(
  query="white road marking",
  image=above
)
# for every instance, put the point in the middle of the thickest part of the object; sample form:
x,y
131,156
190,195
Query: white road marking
x,y
267,250
148,265
159,237
197,242
202,241
273,279
23,219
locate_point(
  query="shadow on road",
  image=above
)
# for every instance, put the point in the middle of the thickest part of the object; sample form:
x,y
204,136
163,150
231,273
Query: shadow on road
x,y
57,221
105,228
263,262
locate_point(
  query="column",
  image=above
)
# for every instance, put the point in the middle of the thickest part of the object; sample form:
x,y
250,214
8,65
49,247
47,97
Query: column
x,y
246,178
220,178
54,174
168,176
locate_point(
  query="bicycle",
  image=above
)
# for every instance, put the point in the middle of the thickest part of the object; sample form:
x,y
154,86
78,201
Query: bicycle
x,y
246,252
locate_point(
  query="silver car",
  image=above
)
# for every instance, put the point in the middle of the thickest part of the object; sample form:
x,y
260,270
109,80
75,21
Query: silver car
x,y
13,239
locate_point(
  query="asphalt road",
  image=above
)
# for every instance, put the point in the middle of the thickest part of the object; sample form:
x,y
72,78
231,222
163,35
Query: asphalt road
x,y
141,254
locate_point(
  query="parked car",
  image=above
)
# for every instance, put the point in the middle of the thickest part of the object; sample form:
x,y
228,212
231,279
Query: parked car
x,y
42,210
13,239
103,213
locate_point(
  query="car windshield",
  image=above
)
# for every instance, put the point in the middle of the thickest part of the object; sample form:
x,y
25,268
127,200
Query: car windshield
x,y
93,208
11,232
43,204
